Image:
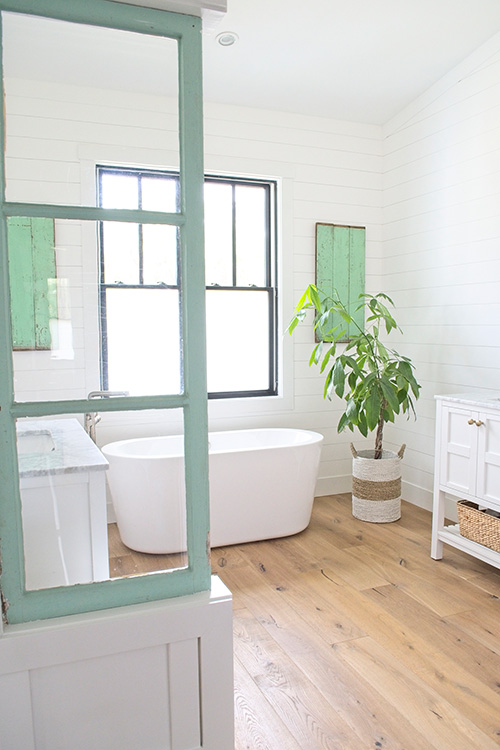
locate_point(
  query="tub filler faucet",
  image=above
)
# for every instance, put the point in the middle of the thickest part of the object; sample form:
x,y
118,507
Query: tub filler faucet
x,y
93,418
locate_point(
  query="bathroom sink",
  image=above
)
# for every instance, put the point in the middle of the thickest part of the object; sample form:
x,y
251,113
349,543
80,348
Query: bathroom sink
x,y
35,441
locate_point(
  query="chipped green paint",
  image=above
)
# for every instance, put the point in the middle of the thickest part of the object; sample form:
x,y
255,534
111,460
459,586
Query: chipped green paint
x,y
32,270
340,268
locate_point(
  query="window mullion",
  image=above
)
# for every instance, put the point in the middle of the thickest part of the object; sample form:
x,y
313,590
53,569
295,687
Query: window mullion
x,y
269,273
233,218
141,234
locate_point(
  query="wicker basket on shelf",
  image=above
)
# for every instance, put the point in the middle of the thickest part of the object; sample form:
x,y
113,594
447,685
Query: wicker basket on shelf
x,y
478,525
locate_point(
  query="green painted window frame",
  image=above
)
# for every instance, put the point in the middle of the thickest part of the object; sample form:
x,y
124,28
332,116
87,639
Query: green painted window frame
x,y
340,272
24,606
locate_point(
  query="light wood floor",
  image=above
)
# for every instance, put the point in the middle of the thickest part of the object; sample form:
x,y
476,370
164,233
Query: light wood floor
x,y
349,636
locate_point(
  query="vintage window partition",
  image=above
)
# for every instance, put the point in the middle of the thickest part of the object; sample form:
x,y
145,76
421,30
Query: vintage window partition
x,y
20,604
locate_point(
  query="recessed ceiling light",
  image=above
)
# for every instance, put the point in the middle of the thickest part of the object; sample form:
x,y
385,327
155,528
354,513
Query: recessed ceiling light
x,y
227,38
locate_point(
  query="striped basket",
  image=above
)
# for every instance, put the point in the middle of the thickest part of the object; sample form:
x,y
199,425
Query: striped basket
x,y
376,485
478,526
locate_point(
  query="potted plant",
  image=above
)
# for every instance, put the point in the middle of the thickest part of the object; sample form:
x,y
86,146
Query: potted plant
x,y
376,383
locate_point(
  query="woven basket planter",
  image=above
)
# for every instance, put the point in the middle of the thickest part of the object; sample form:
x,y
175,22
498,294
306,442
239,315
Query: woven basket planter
x,y
376,485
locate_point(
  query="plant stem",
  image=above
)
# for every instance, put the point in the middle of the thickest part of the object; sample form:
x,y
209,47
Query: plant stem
x,y
378,437
380,424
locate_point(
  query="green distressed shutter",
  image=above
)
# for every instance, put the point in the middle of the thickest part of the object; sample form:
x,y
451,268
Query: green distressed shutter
x,y
32,270
340,269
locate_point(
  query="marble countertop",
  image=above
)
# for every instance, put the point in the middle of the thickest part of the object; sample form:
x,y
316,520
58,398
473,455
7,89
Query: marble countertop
x,y
490,399
56,446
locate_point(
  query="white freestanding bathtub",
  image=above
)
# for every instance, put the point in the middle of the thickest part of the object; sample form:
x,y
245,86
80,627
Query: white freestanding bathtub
x,y
261,486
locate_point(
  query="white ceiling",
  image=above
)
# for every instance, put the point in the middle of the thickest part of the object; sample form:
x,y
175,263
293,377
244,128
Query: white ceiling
x,y
359,60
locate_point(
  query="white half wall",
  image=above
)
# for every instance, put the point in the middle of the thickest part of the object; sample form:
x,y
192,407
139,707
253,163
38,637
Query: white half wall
x,y
155,675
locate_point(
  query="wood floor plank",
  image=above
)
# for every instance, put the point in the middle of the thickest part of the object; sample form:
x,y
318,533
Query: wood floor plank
x,y
139,562
438,720
298,703
359,704
421,656
255,588
123,566
483,626
424,579
260,728
354,571
478,661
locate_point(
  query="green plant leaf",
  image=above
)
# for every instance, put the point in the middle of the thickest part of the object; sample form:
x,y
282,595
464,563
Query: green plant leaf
x,y
352,411
302,301
344,314
316,354
343,423
373,406
351,380
339,377
390,393
362,424
314,297
327,390
330,353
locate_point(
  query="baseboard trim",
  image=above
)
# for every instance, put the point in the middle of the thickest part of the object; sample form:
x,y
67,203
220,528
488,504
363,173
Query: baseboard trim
x,y
333,485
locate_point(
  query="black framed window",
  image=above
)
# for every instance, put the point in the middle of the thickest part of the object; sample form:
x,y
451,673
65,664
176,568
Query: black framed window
x,y
140,282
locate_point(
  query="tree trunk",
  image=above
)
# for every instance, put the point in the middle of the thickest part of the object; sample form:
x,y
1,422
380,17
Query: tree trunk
x,y
378,437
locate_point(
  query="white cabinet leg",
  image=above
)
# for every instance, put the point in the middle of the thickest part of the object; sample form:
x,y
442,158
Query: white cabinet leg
x,y
437,525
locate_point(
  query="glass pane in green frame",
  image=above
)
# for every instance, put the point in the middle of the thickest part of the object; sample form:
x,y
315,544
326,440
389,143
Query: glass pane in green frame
x,y
97,504
78,80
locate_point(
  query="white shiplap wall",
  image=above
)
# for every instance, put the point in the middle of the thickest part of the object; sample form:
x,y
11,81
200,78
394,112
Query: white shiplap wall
x,y
328,172
442,243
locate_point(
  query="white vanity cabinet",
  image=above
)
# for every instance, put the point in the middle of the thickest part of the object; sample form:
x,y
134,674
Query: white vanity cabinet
x,y
467,465
63,495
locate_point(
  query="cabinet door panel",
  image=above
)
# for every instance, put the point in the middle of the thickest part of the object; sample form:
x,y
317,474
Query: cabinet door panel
x,y
458,458
488,458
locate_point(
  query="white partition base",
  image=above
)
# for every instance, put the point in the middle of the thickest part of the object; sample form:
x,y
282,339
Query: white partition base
x,y
157,675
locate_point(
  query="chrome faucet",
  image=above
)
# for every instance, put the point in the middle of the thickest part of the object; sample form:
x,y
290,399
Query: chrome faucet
x,y
93,418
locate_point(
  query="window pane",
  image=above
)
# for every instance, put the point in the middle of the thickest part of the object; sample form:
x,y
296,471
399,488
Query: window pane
x,y
143,341
238,338
69,85
160,194
218,234
119,191
74,531
55,308
120,252
159,248
251,235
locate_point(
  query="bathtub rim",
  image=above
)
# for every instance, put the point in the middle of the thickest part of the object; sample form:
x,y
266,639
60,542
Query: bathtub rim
x,y
111,449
